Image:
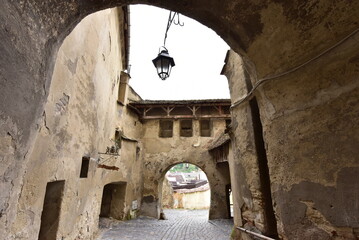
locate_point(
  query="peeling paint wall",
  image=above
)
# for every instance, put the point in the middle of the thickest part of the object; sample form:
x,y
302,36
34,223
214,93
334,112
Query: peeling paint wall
x,y
80,117
160,154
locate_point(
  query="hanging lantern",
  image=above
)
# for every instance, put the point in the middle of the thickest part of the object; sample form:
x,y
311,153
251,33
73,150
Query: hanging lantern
x,y
163,63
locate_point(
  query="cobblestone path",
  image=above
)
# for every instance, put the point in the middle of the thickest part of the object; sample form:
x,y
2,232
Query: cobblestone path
x,y
180,225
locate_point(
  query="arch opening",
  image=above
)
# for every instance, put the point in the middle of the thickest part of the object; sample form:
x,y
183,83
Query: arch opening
x,y
36,63
113,201
185,186
198,52
72,89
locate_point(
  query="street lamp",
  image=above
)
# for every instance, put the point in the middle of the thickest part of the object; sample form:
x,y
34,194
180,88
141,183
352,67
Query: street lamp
x,y
163,62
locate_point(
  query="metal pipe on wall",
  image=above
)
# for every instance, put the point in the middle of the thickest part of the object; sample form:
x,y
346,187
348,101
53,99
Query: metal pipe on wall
x,y
254,234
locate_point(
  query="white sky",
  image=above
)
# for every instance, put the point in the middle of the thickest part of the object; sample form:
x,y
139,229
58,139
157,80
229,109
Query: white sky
x,y
198,53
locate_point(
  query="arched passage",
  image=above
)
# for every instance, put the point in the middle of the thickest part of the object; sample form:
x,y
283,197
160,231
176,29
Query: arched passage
x,y
274,35
185,186
217,180
159,157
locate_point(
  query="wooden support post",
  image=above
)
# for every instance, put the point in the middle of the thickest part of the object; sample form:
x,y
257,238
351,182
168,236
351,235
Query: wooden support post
x,y
168,110
145,111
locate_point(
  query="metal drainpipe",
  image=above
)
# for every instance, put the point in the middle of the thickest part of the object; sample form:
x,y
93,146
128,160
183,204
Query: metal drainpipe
x,y
254,234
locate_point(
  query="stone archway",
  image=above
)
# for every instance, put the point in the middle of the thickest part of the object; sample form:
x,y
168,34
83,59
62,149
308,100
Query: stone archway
x,y
151,204
316,107
217,181
185,186
250,29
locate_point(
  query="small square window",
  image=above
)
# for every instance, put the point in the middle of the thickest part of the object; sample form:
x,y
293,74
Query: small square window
x,y
118,139
84,167
166,128
205,128
186,129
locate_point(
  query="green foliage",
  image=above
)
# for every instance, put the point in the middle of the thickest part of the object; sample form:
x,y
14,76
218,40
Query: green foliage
x,y
184,167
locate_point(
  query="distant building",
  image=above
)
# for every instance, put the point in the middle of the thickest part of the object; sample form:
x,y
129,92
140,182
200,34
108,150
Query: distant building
x,y
181,180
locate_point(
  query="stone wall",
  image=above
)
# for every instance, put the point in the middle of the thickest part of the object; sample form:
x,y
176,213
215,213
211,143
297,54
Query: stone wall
x,y
80,117
310,126
195,199
309,129
160,154
248,197
308,117
167,194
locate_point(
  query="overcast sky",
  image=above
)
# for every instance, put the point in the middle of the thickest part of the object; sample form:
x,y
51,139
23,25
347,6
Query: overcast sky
x,y
198,53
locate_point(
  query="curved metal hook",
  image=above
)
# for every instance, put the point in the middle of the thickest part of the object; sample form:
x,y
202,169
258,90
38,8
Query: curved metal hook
x,y
178,22
171,19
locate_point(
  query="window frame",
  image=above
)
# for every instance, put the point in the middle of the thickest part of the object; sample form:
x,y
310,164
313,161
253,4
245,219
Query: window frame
x,y
186,132
164,133
201,133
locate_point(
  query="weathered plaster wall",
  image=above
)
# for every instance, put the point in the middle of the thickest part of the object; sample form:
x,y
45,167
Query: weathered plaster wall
x,y
160,154
193,200
310,125
248,199
186,198
310,131
272,36
79,119
167,194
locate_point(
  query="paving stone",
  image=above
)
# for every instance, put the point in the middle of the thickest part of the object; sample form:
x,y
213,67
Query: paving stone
x,y
180,225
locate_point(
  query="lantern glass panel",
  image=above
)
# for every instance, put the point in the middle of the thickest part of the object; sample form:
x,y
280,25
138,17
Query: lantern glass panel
x,y
163,64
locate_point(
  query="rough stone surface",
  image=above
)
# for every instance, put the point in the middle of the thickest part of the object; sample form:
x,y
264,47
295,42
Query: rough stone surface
x,y
167,194
310,126
310,129
245,173
160,154
77,122
179,225
309,117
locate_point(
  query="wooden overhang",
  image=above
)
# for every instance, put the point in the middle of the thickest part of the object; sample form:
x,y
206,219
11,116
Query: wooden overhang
x,y
183,109
219,149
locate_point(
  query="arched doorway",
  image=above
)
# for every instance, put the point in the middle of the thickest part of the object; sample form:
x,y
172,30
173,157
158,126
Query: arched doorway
x,y
185,186
113,201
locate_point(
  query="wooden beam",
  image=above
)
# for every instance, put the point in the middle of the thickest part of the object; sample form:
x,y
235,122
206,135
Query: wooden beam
x,y
219,109
222,116
141,105
168,110
193,109
134,109
145,111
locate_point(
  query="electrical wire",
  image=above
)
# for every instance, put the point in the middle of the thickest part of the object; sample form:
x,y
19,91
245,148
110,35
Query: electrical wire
x,y
266,79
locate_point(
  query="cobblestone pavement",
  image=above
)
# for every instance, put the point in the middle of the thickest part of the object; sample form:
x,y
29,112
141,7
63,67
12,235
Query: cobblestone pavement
x,y
180,225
